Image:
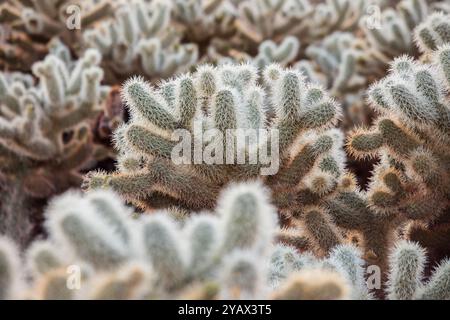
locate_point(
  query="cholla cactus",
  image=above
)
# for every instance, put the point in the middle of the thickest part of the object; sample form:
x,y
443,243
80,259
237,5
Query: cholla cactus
x,y
345,64
45,134
17,50
10,272
338,57
433,32
205,19
139,40
344,272
119,257
98,249
405,278
311,189
391,35
269,52
27,26
411,136
48,18
284,53
204,106
260,20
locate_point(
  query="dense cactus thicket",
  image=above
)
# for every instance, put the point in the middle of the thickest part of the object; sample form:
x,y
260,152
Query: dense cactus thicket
x,y
111,255
255,149
46,132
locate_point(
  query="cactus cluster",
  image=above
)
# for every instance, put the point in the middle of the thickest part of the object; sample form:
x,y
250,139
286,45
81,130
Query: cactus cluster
x,y
110,253
310,185
298,116
26,26
140,40
117,255
410,138
255,149
45,131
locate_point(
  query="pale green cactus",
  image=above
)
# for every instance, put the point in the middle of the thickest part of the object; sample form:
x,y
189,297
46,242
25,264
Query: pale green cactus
x,y
433,32
45,132
338,58
391,32
10,273
107,252
260,20
122,257
205,19
222,99
45,18
407,263
140,40
284,53
28,26
411,137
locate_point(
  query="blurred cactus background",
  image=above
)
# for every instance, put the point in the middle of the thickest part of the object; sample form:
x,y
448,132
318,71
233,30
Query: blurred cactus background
x,y
95,93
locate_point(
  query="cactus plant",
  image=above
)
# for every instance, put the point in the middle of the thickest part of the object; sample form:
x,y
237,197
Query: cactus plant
x,y
45,132
27,26
118,256
139,40
226,98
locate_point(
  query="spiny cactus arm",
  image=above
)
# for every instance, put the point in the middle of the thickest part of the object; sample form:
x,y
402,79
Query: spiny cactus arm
x,y
320,230
164,250
165,64
406,267
427,169
433,32
345,16
298,108
386,190
285,259
185,186
84,234
158,20
438,287
10,278
146,105
350,211
42,258
347,78
248,218
339,56
143,141
413,93
303,159
253,24
442,59
348,260
202,232
394,36
269,52
140,40
53,74
387,133
292,237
